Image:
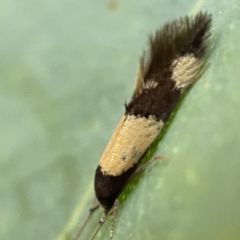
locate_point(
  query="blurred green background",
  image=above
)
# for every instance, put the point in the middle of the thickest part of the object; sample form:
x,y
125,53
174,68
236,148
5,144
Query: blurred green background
x,y
66,69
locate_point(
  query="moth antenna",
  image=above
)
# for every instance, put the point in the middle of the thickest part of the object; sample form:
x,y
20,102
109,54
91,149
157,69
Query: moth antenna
x,y
101,222
113,212
91,211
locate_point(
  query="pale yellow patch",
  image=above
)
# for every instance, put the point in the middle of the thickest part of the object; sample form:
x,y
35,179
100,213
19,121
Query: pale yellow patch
x,y
185,70
132,137
150,84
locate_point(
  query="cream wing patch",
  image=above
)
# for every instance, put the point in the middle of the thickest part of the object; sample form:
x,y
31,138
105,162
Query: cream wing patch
x,y
185,70
129,142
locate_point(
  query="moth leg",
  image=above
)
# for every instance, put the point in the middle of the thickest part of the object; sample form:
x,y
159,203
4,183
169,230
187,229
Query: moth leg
x,y
114,215
165,160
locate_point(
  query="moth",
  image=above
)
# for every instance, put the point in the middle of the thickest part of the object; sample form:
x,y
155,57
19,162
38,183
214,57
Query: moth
x,y
174,61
